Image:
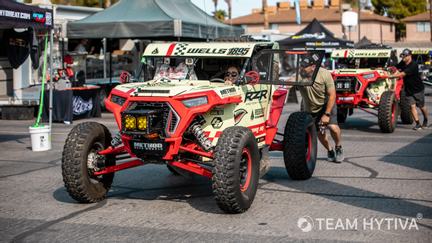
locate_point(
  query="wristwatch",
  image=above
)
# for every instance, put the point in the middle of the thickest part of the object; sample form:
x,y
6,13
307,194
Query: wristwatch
x,y
327,114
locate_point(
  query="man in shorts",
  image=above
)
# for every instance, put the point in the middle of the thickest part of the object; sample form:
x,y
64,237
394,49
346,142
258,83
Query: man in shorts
x,y
320,101
413,86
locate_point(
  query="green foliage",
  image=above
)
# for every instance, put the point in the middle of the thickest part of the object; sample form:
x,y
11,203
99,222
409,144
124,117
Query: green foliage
x,y
399,9
220,15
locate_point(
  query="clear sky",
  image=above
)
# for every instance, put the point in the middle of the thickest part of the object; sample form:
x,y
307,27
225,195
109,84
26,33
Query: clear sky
x,y
239,7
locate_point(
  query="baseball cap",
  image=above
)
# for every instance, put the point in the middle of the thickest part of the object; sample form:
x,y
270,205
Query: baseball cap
x,y
406,52
309,60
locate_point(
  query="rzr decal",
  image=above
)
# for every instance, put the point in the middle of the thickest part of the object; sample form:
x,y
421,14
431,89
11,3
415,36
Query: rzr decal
x,y
217,122
238,115
256,95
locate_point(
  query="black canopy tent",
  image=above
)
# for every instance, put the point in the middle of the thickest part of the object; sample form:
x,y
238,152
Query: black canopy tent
x,y
151,19
18,15
14,15
315,37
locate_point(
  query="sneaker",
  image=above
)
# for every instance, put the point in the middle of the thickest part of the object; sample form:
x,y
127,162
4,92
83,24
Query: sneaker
x,y
331,157
339,154
417,127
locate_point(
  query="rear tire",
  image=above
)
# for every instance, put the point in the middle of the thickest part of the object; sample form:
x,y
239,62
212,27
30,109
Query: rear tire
x,y
387,112
80,155
236,170
405,109
342,114
300,146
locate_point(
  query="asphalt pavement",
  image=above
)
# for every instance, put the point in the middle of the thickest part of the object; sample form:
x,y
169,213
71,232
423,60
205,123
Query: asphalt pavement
x,y
380,193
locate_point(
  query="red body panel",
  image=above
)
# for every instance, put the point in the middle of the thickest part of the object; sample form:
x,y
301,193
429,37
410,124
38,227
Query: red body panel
x,y
358,99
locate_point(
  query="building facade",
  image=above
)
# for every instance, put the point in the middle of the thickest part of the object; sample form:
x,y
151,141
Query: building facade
x,y
282,20
418,28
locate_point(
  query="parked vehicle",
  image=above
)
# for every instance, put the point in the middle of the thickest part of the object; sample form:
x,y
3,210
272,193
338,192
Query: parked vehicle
x,y
185,116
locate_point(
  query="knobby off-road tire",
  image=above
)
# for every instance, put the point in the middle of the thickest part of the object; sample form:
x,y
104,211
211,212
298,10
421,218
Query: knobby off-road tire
x,y
387,112
300,146
82,143
342,114
405,109
236,170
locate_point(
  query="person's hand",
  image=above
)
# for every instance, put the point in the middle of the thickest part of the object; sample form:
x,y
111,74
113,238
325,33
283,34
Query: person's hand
x,y
227,82
325,119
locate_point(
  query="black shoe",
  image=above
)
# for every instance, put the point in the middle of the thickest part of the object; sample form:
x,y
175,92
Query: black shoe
x,y
331,157
339,154
425,123
417,127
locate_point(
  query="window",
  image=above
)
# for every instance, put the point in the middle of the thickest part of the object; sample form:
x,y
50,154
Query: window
x,y
274,26
423,27
391,27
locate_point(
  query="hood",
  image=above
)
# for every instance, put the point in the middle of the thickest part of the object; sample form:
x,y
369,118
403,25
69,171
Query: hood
x,y
359,71
175,88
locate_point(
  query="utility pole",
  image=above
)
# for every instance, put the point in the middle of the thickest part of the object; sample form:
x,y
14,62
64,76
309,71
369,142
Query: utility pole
x,y
264,10
343,27
430,18
358,24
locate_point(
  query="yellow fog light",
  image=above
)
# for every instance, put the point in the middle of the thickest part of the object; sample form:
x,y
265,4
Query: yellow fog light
x,y
142,122
130,122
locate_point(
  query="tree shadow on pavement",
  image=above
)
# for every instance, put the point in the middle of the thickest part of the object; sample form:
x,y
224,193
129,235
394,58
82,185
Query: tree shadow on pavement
x,y
347,194
416,155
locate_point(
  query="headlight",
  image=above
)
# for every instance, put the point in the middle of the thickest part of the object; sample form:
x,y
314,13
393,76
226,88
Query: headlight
x,y
195,101
142,122
130,122
118,100
369,76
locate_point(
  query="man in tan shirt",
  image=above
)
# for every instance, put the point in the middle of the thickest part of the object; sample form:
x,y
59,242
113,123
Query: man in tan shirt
x,y
319,100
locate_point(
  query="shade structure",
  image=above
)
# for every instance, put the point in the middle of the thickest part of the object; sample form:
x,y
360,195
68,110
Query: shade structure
x,y
315,36
19,15
151,19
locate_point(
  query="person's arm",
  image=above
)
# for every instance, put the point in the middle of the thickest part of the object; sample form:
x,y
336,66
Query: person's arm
x,y
331,94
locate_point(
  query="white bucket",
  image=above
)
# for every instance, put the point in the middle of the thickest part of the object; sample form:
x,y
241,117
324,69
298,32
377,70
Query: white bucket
x,y
40,138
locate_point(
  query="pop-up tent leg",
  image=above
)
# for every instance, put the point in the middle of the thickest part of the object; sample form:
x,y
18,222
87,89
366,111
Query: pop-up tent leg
x,y
51,78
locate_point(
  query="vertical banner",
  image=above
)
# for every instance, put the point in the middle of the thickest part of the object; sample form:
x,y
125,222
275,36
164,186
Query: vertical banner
x,y
297,9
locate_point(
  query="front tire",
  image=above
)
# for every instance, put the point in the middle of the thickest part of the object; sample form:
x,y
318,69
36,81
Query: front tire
x,y
80,160
236,170
387,112
342,114
300,146
405,109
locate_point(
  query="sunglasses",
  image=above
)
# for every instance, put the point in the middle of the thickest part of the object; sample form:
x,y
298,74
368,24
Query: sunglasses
x,y
233,74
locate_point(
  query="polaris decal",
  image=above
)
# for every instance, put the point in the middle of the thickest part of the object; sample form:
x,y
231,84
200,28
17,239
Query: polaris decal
x,y
238,115
256,95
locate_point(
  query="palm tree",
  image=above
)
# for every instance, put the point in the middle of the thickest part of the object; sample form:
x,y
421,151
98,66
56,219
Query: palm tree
x,y
215,4
220,15
229,8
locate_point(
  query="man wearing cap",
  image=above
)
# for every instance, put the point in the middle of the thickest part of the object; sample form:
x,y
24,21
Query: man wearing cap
x,y
413,86
319,100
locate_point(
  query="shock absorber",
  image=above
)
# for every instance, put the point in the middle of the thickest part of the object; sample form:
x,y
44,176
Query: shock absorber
x,y
198,132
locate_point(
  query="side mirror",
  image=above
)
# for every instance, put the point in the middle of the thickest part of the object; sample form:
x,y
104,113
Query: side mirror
x,y
125,77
